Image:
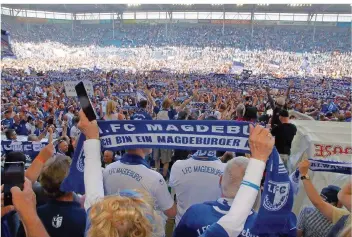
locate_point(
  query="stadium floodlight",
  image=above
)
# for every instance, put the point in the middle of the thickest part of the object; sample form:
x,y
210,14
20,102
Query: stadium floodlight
x,y
133,5
239,5
263,4
297,5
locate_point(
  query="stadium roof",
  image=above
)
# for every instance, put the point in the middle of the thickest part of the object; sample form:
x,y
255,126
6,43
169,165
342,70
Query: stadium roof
x,y
105,8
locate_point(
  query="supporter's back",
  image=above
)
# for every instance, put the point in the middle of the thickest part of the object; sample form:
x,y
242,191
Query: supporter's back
x,y
118,176
61,218
195,180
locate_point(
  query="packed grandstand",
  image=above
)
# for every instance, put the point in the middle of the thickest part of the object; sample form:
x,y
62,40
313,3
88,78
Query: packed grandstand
x,y
237,102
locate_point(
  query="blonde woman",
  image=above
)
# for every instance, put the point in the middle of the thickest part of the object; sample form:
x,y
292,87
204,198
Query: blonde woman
x,y
128,213
111,113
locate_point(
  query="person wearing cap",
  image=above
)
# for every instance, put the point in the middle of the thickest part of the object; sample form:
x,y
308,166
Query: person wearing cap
x,y
311,222
284,134
339,218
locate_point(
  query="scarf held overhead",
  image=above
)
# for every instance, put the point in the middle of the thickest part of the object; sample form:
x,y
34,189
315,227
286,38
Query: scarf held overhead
x,y
196,135
322,166
179,134
167,134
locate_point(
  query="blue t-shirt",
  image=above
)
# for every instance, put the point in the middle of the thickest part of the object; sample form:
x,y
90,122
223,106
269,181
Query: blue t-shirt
x,y
215,230
62,218
324,108
7,123
199,217
141,115
20,128
38,131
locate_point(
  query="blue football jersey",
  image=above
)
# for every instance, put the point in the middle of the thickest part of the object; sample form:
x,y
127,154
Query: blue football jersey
x,y
199,217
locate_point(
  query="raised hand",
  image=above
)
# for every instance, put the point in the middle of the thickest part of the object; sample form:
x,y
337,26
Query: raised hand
x,y
303,167
261,142
89,128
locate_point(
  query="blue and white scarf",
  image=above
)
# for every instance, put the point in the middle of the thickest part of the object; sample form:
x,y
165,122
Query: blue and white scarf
x,y
322,166
275,216
166,134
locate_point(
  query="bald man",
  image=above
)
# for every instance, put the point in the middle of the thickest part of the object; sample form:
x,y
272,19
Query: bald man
x,y
108,157
200,216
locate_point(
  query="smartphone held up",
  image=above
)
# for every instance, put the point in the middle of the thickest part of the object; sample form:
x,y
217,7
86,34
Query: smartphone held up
x,y
13,176
85,102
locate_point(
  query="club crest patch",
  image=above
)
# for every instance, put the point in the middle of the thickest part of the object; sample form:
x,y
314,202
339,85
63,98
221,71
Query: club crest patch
x,y
57,221
277,195
80,161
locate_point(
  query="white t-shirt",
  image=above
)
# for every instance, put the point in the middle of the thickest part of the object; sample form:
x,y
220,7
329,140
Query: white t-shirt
x,y
195,180
75,132
118,176
70,117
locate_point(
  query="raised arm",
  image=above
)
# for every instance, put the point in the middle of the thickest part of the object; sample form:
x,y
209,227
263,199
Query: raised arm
x,y
34,170
270,99
345,195
185,103
261,144
150,98
93,177
101,111
287,95
64,130
42,135
25,204
325,208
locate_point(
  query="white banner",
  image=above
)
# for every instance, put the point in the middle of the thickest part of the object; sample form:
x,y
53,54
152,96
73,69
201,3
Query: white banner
x,y
320,140
70,88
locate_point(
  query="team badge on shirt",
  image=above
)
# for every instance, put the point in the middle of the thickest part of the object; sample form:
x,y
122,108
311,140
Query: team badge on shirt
x,y
57,221
277,195
80,161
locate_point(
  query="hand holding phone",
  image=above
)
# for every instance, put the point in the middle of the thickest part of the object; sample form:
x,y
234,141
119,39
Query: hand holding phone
x,y
13,176
85,102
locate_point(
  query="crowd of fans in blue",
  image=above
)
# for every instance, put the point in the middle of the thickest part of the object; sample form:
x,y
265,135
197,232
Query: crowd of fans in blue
x,y
35,107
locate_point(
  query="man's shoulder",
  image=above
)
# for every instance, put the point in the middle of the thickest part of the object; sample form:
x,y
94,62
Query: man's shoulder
x,y
199,211
52,209
308,210
180,163
200,206
293,127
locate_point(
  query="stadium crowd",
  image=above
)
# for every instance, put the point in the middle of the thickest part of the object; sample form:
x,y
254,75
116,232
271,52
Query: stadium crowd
x,y
185,75
283,38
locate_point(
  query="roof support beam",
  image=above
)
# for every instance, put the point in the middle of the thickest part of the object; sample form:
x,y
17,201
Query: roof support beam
x,y
310,16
